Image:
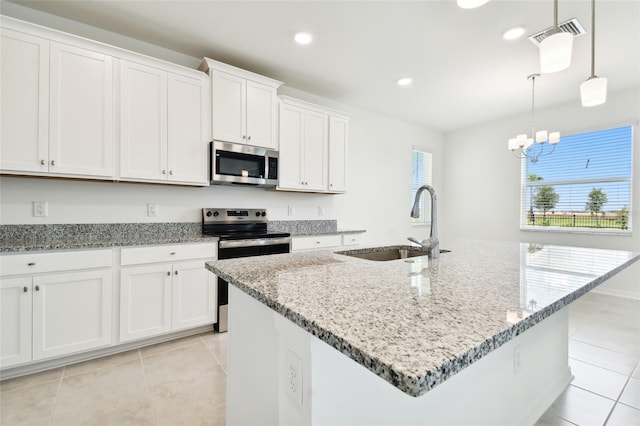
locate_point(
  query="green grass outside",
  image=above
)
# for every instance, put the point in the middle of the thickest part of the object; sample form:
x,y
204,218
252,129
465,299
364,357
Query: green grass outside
x,y
577,221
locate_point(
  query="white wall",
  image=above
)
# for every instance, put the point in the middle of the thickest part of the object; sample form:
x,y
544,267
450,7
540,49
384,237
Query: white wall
x,y
481,197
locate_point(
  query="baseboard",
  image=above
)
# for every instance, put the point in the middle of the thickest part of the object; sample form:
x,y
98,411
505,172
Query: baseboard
x,y
543,404
618,293
38,366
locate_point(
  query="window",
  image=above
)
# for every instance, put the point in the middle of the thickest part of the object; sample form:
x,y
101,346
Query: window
x,y
584,185
421,165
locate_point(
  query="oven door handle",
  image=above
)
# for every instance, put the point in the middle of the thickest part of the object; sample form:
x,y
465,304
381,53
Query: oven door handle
x,y
254,242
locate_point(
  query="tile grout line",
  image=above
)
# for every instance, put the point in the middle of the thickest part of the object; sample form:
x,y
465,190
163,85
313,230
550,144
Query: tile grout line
x,y
214,356
146,385
55,403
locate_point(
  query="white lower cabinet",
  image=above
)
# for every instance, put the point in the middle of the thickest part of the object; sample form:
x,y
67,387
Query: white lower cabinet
x,y
168,296
54,314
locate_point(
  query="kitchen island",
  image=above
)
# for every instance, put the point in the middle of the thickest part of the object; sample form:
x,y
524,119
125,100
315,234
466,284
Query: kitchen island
x,y
478,336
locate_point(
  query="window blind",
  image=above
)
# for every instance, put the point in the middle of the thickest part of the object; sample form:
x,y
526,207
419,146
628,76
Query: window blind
x,y
585,184
421,175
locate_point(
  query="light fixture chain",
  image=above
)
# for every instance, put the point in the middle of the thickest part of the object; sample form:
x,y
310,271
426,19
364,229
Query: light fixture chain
x,y
593,38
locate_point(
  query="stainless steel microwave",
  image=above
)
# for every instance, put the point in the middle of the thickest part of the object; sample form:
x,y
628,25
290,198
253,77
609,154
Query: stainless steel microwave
x,y
239,164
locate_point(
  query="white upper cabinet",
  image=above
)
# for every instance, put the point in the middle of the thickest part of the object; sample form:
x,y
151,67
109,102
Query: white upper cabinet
x,y
57,108
313,144
81,110
338,137
24,110
244,105
162,125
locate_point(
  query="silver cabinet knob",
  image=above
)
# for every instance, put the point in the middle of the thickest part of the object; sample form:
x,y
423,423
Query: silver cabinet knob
x,y
43,162
248,138
175,272
25,289
244,136
173,253
164,172
31,264
53,162
171,172
169,273
37,288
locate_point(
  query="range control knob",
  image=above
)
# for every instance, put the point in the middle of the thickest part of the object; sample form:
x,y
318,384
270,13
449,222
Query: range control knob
x,y
209,214
264,214
257,214
216,214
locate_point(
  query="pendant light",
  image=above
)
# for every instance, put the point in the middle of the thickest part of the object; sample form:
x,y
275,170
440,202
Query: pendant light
x,y
555,50
593,91
534,147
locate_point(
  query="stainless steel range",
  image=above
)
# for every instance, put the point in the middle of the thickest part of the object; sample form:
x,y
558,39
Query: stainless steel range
x,y
241,233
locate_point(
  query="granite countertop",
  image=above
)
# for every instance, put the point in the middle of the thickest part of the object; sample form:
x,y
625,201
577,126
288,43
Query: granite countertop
x,y
29,238
419,321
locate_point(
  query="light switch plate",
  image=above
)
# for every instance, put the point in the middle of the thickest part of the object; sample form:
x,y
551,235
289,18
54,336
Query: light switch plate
x,y
152,209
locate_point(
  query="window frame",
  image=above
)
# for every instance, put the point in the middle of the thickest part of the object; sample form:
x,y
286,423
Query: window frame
x,y
427,180
524,187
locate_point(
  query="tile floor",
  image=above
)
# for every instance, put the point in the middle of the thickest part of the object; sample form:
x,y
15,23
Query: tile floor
x,y
183,382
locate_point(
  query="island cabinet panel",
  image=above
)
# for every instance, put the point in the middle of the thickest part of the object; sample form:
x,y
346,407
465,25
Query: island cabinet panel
x,y
335,389
162,125
63,301
24,110
81,107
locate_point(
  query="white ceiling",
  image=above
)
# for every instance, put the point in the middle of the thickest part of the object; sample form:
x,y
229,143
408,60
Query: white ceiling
x,y
464,73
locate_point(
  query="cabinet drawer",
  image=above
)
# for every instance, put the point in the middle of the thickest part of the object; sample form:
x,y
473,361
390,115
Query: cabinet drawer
x,y
139,255
351,239
315,242
15,264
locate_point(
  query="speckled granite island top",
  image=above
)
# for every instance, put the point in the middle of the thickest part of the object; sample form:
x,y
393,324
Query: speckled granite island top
x,y
419,321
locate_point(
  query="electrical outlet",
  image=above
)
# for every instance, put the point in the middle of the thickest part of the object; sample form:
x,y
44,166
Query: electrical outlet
x,y
40,208
320,211
290,211
517,360
152,209
293,377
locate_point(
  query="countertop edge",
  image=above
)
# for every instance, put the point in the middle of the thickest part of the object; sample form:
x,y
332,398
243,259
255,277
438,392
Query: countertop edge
x,y
65,245
418,386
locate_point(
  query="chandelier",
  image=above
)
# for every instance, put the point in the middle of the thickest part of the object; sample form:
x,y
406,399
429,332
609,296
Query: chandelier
x,y
534,146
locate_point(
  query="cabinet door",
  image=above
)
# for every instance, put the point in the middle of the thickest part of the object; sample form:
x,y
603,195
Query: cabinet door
x,y
261,115
143,122
316,139
145,301
15,321
229,94
81,106
187,120
338,131
291,138
71,312
194,298
24,109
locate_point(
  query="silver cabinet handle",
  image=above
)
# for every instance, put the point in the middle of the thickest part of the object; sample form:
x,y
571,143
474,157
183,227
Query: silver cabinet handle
x,y
37,288
175,272
330,185
53,162
248,138
169,273
170,172
25,289
244,136
43,162
164,172
172,253
31,264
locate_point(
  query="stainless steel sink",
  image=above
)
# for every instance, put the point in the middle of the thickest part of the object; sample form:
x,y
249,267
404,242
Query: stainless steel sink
x,y
381,254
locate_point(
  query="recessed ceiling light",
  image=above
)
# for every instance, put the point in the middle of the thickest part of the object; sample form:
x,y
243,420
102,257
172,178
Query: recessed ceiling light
x,y
514,33
303,38
406,81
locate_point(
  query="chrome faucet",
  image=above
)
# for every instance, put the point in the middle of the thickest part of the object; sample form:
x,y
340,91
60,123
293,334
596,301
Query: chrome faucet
x,y
432,243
